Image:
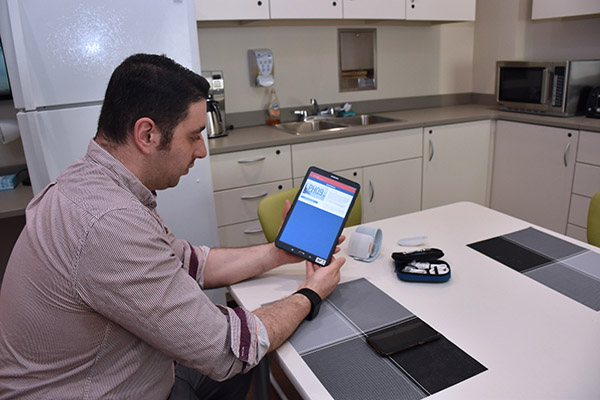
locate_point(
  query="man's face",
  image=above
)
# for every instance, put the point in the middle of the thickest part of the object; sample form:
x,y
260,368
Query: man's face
x,y
186,146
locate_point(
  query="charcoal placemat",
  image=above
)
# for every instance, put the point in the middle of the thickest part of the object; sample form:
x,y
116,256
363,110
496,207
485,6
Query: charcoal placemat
x,y
560,265
334,346
438,364
510,254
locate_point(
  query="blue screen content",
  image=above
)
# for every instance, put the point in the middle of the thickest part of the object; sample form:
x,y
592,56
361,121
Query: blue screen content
x,y
317,216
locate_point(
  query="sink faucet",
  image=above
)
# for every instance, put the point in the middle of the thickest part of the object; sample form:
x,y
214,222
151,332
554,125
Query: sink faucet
x,y
316,110
304,114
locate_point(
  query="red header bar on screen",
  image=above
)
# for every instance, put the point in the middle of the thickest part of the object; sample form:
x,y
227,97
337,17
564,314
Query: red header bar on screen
x,y
333,182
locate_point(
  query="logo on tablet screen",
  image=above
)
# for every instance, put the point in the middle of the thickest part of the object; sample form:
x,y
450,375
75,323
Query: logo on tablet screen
x,y
315,191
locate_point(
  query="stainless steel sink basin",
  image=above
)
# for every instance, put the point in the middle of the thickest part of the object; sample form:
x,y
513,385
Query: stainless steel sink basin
x,y
363,120
333,123
299,128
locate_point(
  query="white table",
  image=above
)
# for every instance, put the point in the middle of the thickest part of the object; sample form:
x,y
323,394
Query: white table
x,y
535,342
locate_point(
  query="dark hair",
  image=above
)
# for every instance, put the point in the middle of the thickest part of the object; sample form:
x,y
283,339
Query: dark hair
x,y
153,86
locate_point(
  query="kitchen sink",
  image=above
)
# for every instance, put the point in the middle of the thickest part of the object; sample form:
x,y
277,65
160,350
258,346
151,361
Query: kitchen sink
x,y
310,126
363,120
333,123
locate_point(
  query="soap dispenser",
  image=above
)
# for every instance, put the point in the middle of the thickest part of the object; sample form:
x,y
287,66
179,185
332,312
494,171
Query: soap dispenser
x,y
273,109
260,65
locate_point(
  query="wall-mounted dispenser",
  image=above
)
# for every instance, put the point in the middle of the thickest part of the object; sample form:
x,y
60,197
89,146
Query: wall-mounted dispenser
x,y
261,67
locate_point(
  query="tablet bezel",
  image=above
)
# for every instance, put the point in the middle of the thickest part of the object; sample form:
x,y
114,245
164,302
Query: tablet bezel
x,y
304,253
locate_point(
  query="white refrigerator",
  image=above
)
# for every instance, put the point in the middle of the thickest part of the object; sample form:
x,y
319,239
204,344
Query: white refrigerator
x,y
60,55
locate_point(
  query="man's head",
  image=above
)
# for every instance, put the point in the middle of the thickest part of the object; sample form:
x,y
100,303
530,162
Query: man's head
x,y
151,86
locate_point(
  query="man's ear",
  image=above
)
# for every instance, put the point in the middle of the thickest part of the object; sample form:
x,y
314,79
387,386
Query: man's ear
x,y
146,135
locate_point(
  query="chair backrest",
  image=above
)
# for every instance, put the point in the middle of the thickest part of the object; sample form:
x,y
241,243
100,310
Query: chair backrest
x,y
593,222
270,211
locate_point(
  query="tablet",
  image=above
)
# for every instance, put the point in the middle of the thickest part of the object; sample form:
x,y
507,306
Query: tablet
x,y
317,216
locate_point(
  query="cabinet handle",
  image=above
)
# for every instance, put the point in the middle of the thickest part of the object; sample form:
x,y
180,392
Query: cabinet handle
x,y
567,154
431,150
254,196
252,160
252,231
372,187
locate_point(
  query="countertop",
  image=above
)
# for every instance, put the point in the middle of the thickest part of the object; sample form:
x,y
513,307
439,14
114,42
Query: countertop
x,y
14,201
265,136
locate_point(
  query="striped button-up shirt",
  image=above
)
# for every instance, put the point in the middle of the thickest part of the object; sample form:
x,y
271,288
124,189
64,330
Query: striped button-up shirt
x,y
99,297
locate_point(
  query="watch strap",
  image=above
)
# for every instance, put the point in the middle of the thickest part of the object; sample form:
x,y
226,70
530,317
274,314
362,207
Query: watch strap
x,y
315,301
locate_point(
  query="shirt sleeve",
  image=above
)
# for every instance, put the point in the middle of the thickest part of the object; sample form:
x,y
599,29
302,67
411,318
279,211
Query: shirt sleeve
x,y
129,271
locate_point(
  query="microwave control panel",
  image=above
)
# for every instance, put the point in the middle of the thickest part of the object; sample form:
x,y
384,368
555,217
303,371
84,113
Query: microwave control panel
x,y
558,86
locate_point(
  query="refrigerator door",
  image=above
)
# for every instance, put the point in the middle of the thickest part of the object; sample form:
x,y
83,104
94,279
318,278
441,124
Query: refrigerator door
x,y
66,50
53,139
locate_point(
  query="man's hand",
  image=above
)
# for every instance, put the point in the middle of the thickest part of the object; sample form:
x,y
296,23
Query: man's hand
x,y
323,279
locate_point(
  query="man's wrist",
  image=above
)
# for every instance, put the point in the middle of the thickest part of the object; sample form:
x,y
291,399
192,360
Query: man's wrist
x,y
315,301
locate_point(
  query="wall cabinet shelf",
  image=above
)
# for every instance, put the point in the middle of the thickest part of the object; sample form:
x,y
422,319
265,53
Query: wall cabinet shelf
x,y
419,10
542,9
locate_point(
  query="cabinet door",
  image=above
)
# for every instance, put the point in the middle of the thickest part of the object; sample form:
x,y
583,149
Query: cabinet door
x,y
533,173
391,189
456,163
210,10
376,9
440,10
292,9
556,8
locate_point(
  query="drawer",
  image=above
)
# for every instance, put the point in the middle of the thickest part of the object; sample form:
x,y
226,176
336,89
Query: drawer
x,y
241,235
357,151
243,168
578,210
588,150
239,205
587,179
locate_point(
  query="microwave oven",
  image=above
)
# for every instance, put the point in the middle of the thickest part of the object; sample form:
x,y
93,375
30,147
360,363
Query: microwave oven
x,y
558,88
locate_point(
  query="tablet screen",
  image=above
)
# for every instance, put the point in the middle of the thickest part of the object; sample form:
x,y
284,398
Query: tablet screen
x,y
318,215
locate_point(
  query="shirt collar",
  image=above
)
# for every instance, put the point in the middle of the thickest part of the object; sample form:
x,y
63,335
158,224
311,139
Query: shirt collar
x,y
121,174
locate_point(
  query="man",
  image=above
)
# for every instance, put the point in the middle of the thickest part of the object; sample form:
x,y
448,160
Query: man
x,y
99,298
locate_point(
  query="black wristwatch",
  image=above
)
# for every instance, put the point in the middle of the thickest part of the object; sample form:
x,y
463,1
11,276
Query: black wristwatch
x,y
315,301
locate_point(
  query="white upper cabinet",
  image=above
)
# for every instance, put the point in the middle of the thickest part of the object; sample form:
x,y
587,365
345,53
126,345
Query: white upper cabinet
x,y
210,10
560,8
306,9
440,10
375,9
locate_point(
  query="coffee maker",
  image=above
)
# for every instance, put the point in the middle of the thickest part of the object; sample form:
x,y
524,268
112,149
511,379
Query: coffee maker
x,y
215,105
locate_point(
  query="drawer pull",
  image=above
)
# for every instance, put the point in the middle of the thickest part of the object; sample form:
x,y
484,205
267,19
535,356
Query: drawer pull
x,y
252,231
567,154
254,196
372,187
252,160
431,150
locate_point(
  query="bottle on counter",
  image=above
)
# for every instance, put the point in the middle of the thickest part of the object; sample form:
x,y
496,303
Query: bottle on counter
x,y
273,110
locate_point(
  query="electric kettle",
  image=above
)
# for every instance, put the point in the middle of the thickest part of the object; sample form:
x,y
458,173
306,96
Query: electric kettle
x,y
214,120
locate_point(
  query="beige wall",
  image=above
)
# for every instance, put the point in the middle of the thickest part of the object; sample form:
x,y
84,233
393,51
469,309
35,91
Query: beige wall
x,y
504,31
412,60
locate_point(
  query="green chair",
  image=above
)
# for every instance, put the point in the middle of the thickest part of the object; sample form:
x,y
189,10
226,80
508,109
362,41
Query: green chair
x,y
270,211
593,221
